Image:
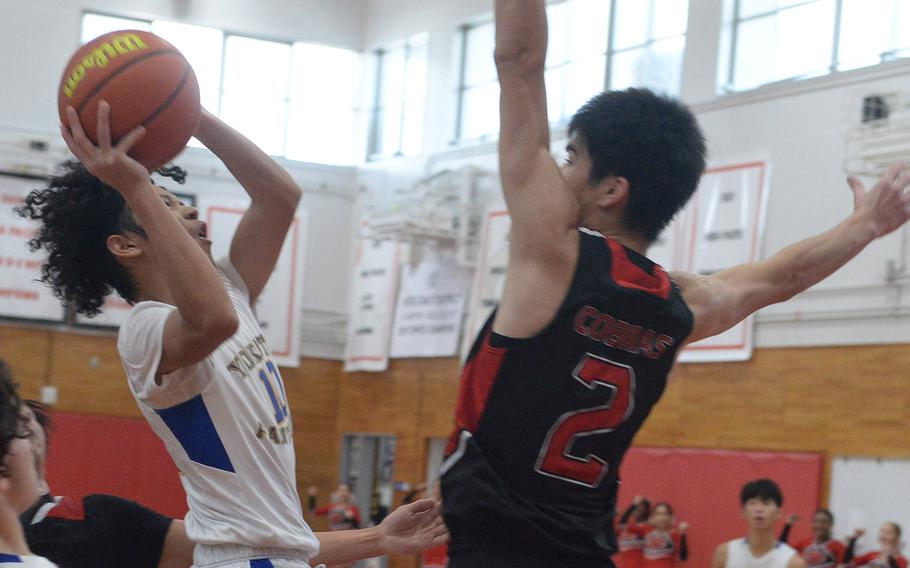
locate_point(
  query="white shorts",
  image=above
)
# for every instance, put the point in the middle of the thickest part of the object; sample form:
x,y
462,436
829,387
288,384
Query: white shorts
x,y
239,556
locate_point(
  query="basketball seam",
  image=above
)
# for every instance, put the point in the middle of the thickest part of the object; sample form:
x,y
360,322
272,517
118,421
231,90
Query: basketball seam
x,y
167,102
101,84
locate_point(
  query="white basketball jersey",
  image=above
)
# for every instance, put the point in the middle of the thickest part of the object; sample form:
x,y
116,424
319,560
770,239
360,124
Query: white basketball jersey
x,y
739,556
14,561
227,425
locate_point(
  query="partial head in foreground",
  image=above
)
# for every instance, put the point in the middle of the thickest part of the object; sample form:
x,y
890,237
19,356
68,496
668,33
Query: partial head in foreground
x,y
761,501
93,242
634,160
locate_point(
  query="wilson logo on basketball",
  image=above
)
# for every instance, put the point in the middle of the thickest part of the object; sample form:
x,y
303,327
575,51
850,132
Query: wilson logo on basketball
x,y
101,56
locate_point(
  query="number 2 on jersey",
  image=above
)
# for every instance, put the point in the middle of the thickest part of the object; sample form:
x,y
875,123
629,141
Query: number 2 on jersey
x,y
556,456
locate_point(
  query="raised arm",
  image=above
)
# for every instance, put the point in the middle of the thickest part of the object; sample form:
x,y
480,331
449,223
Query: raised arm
x,y
543,211
722,300
204,317
260,235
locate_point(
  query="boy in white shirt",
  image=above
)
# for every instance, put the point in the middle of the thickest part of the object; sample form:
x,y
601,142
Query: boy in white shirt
x,y
192,348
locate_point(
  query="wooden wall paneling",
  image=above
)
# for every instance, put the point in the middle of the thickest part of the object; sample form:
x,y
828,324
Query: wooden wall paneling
x,y
26,350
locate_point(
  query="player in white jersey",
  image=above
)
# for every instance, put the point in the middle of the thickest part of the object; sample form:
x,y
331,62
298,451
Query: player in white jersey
x,y
192,348
761,501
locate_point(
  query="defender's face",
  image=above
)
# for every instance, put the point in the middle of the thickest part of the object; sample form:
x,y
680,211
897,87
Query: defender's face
x,y
761,513
576,169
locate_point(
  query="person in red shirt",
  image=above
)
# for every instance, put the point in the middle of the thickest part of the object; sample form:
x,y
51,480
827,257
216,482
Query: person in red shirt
x,y
664,543
342,513
631,530
889,538
820,550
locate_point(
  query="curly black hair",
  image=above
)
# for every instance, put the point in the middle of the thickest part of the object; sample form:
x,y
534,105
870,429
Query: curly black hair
x,y
653,141
77,212
10,408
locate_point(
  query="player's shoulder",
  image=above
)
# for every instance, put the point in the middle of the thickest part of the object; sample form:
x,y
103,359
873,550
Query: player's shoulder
x,y
24,561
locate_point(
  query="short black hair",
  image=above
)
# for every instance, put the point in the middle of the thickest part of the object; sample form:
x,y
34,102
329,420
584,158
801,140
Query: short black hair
x,y
653,141
10,407
77,213
764,489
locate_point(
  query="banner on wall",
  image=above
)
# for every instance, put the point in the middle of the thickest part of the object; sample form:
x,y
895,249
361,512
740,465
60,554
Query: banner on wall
x,y
726,219
279,307
372,306
21,294
430,305
490,275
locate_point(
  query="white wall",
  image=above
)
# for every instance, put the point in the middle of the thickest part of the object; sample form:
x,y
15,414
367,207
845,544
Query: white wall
x,y
37,38
799,127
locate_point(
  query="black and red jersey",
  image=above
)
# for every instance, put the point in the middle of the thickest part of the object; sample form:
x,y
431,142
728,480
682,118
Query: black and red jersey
x,y
542,423
96,531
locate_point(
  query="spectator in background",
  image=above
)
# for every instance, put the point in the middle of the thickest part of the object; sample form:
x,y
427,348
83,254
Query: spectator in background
x,y
631,531
342,513
761,501
663,543
820,550
889,556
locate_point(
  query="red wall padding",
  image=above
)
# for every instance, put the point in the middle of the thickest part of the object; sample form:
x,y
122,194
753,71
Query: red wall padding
x,y
703,488
119,456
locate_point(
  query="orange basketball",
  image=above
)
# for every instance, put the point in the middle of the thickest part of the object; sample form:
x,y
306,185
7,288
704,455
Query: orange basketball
x,y
146,81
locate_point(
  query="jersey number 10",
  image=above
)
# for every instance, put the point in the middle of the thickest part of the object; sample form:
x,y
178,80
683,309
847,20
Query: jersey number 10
x,y
556,458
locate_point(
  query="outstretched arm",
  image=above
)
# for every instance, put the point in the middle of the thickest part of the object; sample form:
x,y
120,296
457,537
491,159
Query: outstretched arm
x,y
543,210
722,300
409,529
260,235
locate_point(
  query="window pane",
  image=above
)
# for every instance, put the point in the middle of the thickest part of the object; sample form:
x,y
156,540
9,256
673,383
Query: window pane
x,y
748,8
391,99
589,27
556,89
94,25
480,112
322,123
633,23
670,18
262,122
558,37
585,79
479,65
203,48
257,68
864,34
415,100
794,43
657,66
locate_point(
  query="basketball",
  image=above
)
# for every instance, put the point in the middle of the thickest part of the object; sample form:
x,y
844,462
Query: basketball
x,y
146,81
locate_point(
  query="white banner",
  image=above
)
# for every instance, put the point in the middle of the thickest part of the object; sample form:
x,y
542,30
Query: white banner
x,y
490,276
430,305
727,213
21,294
280,305
372,305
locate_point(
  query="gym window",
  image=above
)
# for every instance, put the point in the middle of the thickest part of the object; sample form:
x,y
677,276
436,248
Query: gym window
x,y
777,40
587,54
263,88
398,108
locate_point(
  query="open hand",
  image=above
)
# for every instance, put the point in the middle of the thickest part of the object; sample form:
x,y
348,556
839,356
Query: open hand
x,y
858,533
109,163
413,528
792,519
683,527
886,205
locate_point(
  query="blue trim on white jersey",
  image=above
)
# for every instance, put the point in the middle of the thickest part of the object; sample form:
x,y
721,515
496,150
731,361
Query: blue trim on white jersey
x,y
192,425
261,563
10,558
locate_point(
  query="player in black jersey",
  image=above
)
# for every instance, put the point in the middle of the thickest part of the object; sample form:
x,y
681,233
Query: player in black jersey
x,y
565,372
